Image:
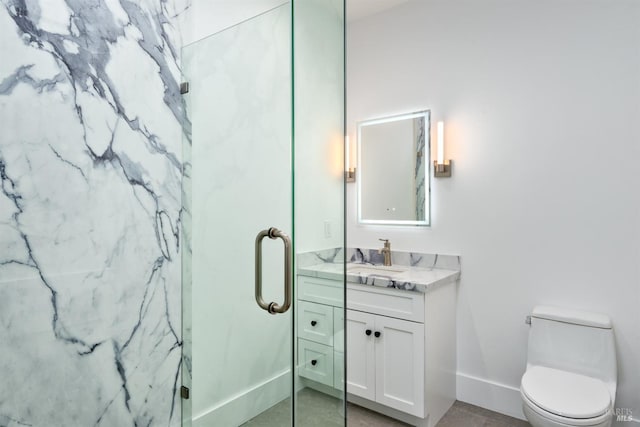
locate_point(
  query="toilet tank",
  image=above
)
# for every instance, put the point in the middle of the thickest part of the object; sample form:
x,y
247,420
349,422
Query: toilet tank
x,y
572,340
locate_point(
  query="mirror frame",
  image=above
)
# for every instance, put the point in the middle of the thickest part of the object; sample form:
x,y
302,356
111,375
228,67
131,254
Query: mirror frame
x,y
426,114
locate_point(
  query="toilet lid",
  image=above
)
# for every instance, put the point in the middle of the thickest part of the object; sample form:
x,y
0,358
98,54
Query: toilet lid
x,y
566,394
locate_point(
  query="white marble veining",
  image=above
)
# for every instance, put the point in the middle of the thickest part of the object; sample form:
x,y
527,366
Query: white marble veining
x,y
90,212
410,279
327,256
410,271
414,259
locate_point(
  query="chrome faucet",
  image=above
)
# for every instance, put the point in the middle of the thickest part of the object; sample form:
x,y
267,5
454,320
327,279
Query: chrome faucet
x,y
386,251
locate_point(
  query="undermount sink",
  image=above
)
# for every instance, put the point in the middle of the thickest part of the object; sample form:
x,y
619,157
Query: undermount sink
x,y
373,269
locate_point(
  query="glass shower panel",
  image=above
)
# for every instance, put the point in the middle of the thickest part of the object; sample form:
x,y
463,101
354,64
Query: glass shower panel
x,y
237,184
319,210
247,84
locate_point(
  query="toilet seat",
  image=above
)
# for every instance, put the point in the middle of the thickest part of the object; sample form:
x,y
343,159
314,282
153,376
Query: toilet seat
x,y
566,397
550,419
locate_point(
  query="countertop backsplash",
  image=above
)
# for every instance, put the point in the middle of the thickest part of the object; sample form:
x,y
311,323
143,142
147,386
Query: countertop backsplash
x,y
372,256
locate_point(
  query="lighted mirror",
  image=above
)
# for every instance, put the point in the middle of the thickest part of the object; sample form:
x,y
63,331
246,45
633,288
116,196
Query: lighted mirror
x,y
393,164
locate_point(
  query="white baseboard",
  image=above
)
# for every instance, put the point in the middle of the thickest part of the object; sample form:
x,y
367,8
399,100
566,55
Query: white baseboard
x,y
243,406
490,395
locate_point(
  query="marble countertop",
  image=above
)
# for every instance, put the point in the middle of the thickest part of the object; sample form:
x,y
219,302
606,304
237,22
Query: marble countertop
x,y
416,279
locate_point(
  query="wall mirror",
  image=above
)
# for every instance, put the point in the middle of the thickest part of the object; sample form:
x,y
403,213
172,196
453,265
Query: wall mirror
x,y
393,165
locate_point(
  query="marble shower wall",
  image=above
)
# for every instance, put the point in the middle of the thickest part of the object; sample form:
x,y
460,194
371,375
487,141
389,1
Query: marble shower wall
x,y
90,212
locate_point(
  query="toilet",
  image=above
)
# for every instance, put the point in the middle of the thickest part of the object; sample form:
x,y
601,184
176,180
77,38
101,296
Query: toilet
x,y
571,374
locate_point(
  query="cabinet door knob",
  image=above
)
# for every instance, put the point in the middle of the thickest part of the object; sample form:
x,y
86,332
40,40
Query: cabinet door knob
x,y
368,332
377,334
314,323
314,362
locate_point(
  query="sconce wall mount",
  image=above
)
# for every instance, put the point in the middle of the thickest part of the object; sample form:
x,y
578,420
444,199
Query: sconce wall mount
x,y
350,175
442,170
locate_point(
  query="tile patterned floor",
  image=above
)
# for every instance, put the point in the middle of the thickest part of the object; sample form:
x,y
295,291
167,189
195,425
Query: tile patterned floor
x,y
319,410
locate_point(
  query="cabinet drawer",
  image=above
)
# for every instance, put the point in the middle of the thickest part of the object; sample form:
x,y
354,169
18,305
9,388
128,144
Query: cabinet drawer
x,y
322,291
386,302
315,322
315,361
338,329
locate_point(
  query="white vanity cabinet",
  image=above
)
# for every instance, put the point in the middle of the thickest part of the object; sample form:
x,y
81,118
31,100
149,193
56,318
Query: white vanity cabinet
x,y
406,366
401,345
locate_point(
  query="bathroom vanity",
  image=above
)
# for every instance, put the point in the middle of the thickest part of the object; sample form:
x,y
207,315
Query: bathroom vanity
x,y
401,332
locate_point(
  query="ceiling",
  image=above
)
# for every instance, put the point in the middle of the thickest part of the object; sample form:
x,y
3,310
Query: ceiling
x,y
358,9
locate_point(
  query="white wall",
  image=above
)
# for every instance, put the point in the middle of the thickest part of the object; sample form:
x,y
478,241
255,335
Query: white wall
x,y
541,102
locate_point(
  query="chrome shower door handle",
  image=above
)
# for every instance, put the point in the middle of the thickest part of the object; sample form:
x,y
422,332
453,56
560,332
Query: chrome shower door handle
x,y
273,307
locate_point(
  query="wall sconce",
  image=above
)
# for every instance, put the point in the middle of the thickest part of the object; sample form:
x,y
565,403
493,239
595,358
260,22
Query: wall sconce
x,y
440,168
349,172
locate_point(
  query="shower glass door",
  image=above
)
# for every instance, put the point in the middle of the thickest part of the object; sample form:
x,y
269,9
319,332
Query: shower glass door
x,y
241,148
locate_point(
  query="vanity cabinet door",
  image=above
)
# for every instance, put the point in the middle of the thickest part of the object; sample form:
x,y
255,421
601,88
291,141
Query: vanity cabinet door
x,y
399,353
361,370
